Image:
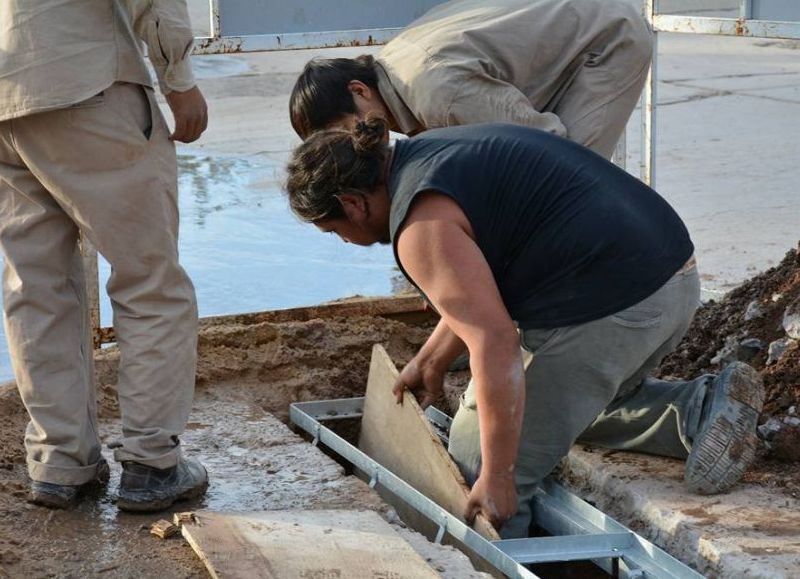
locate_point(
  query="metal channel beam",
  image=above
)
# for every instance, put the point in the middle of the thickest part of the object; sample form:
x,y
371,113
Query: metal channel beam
x,y
582,532
324,410
413,498
567,548
559,511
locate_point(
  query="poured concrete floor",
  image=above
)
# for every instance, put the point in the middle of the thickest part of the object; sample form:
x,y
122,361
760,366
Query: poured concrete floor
x,y
255,463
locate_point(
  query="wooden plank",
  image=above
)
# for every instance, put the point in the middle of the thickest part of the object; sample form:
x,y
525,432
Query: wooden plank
x,y
401,439
405,308
90,272
303,545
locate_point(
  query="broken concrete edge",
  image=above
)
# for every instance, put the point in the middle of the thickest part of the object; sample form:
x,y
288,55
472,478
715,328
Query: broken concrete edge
x,y
743,533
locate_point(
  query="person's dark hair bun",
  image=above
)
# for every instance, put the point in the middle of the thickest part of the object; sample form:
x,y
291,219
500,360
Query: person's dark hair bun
x,y
368,135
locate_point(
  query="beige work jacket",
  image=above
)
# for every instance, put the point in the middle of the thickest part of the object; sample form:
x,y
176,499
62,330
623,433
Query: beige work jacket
x,y
470,61
55,53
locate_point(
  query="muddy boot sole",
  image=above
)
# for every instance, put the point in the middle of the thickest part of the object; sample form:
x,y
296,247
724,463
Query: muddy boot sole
x,y
725,449
148,505
52,501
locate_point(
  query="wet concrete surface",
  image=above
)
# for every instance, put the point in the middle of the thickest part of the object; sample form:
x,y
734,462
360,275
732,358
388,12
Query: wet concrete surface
x,y
255,463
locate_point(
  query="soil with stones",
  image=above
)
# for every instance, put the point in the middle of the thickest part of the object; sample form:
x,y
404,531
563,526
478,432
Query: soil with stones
x,y
757,323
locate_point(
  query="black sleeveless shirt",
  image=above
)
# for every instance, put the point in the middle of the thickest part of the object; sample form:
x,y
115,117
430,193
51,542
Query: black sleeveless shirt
x,y
569,237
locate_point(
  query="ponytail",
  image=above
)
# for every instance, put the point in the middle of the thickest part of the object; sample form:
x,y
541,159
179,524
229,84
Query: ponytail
x,y
332,162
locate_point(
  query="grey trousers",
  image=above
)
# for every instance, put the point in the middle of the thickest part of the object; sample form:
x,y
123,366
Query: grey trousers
x,y
588,383
104,168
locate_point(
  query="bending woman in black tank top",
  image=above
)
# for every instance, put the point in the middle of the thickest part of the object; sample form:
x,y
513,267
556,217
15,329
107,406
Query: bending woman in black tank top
x,y
504,229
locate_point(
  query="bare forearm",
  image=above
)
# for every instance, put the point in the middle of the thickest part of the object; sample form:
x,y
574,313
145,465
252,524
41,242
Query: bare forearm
x,y
442,348
500,391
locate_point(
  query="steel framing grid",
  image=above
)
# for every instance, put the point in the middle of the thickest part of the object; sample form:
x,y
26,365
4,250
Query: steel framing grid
x,y
742,26
580,532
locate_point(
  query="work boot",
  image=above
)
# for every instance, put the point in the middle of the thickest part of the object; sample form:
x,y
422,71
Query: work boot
x,y
56,496
726,443
146,488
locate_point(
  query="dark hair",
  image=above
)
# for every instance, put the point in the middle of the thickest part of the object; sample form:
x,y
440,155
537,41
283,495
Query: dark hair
x,y
332,162
320,96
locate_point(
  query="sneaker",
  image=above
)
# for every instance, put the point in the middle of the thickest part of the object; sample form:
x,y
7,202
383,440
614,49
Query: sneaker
x,y
726,443
145,488
57,496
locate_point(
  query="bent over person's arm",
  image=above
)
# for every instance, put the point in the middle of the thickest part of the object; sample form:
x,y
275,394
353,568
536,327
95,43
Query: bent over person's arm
x,y
437,250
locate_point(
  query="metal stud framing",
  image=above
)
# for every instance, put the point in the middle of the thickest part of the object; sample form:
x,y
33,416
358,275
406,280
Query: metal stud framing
x,y
580,532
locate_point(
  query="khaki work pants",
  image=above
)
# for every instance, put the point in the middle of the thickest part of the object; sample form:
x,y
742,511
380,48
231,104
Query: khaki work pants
x,y
598,101
588,383
104,168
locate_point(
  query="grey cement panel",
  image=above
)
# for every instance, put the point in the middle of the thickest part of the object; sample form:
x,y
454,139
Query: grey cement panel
x,y
788,94
243,17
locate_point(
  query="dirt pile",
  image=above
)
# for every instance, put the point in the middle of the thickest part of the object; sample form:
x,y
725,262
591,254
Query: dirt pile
x,y
757,323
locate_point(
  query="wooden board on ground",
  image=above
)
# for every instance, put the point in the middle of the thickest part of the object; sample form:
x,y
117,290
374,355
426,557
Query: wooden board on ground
x,y
401,439
303,545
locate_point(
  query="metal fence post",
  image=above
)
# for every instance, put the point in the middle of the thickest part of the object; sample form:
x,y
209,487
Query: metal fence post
x,y
90,271
745,9
648,154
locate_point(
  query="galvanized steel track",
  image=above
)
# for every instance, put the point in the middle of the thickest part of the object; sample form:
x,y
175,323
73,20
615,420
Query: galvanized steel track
x,y
580,532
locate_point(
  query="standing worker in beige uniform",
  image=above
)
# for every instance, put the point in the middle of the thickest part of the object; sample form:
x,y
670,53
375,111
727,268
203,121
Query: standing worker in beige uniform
x,y
575,68
84,150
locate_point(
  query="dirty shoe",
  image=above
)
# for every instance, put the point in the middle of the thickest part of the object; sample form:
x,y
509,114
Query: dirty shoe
x,y
726,443
58,496
146,488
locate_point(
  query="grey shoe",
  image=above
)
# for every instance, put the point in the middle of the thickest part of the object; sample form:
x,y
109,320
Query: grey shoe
x,y
145,488
726,443
57,496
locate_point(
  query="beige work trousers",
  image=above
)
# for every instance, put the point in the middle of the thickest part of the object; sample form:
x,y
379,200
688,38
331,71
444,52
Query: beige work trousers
x,y
599,99
104,168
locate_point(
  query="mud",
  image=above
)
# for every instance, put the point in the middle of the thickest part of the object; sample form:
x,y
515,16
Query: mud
x,y
247,376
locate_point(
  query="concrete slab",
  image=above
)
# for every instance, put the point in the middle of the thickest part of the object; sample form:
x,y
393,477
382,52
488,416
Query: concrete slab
x,y
256,463
726,153
749,532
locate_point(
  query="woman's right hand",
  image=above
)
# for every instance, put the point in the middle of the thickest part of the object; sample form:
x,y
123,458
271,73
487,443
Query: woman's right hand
x,y
424,380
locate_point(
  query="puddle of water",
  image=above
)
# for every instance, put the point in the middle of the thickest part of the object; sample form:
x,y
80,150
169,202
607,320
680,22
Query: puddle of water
x,y
246,252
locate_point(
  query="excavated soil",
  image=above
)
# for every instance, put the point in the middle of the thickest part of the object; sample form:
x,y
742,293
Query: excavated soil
x,y
741,327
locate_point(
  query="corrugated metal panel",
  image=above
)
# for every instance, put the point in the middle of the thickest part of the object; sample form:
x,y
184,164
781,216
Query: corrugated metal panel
x,y
775,10
259,17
